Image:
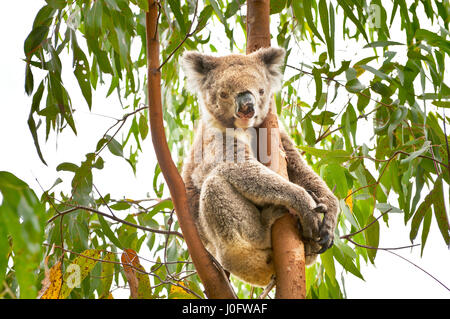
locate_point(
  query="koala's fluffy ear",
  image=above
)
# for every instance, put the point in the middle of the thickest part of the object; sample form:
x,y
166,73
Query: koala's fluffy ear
x,y
196,66
273,59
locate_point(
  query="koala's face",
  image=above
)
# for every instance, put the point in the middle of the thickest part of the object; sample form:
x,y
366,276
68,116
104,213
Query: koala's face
x,y
236,89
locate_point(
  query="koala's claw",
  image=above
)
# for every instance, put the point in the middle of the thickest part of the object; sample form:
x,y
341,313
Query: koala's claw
x,y
325,243
320,208
326,240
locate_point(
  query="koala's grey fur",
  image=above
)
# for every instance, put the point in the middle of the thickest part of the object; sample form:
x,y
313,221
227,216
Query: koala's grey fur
x,y
234,203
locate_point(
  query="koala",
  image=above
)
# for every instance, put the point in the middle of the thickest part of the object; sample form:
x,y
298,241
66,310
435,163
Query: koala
x,y
233,198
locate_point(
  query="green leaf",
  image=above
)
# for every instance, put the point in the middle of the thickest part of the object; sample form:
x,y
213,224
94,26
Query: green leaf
x,y
325,22
37,97
378,73
82,71
324,118
372,234
233,7
93,20
349,13
308,131
70,167
425,147
354,86
33,130
114,147
23,218
124,44
106,229
381,89
425,230
346,262
440,212
338,156
29,83
276,6
445,104
57,4
176,10
424,207
158,190
34,39
122,205
4,250
114,5
363,99
433,39
217,10
143,126
99,163
107,274
44,17
382,44
309,19
114,85
335,176
349,124
328,263
318,82
82,183
204,17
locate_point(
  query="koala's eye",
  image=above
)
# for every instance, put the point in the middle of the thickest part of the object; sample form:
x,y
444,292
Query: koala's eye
x,y
261,91
224,95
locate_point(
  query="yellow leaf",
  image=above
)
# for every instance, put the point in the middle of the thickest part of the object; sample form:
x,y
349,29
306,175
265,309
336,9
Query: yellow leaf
x,y
349,200
177,292
51,285
359,70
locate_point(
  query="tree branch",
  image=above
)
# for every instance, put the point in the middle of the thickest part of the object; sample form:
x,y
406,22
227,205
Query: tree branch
x,y
288,249
215,282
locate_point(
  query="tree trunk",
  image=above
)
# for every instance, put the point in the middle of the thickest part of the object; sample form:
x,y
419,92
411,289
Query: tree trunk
x,y
288,249
214,279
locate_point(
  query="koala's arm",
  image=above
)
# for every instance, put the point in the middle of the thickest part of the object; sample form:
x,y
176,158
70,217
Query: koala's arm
x,y
263,187
301,174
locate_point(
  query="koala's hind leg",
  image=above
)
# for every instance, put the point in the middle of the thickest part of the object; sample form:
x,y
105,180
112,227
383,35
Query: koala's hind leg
x,y
237,231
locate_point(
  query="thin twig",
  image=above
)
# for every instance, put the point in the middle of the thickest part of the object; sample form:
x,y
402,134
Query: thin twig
x,y
362,229
122,121
391,252
380,248
268,288
77,207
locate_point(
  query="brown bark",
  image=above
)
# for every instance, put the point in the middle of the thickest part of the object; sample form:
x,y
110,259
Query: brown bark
x,y
288,249
214,280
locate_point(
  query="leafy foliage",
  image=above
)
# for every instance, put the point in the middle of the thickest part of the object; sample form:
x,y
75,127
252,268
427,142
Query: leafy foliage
x,y
396,84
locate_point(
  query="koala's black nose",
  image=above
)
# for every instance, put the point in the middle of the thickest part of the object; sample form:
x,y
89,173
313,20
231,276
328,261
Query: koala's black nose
x,y
245,102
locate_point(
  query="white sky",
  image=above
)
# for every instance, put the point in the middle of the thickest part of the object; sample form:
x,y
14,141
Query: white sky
x,y
391,278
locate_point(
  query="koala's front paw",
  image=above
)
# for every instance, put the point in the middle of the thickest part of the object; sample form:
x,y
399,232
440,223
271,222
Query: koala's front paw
x,y
327,227
326,239
309,225
326,232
